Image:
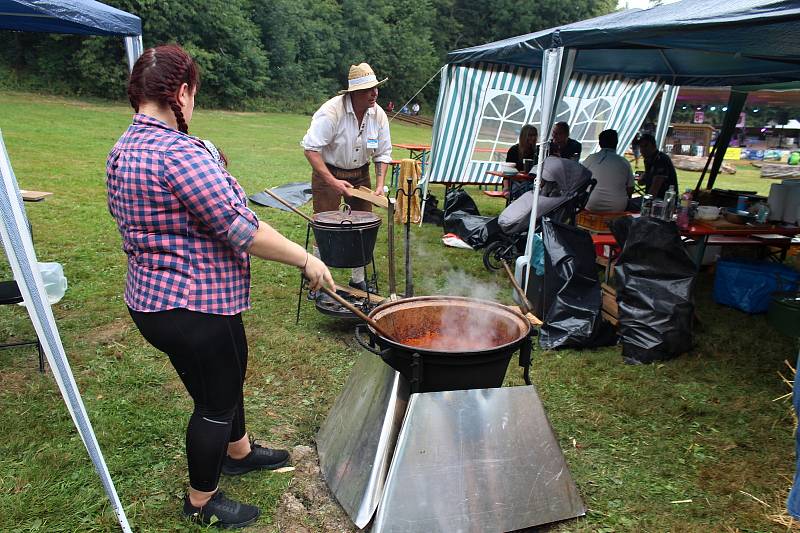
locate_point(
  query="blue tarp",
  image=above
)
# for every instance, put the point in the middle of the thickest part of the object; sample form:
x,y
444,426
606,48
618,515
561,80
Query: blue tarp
x,y
83,17
693,42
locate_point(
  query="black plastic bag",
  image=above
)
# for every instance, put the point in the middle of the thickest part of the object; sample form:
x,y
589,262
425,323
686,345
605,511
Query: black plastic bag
x,y
475,230
459,200
654,279
573,298
295,194
432,214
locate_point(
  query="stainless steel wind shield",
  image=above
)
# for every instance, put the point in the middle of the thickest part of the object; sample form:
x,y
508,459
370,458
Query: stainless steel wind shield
x,y
356,441
474,461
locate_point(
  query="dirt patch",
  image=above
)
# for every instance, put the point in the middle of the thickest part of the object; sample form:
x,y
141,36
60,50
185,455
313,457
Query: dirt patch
x,y
283,433
109,333
14,381
308,506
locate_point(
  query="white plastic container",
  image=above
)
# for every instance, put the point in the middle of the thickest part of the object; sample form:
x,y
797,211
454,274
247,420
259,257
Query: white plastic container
x,y
55,283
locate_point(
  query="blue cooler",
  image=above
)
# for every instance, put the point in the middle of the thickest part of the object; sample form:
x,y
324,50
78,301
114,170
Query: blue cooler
x,y
748,285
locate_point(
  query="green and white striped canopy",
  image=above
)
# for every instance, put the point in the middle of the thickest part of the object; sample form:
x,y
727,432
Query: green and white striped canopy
x,y
483,106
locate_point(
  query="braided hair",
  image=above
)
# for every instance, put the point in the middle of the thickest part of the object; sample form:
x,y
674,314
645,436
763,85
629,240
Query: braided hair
x,y
158,75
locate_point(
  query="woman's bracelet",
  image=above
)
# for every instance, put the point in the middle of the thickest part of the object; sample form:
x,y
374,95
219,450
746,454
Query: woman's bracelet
x,y
303,268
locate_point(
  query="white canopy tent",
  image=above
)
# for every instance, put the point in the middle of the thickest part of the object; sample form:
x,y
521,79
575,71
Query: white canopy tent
x,y
82,17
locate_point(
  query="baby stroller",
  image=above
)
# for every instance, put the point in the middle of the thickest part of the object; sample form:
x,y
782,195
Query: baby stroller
x,y
566,187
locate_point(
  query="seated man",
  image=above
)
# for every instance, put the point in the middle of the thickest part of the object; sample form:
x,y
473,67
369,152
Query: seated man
x,y
568,148
613,174
659,172
559,177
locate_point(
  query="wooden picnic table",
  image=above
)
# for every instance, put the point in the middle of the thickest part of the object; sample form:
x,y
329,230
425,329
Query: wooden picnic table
x,y
416,151
723,234
519,176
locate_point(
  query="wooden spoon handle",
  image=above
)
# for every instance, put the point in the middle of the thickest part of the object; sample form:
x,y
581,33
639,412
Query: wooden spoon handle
x,y
355,310
287,204
525,305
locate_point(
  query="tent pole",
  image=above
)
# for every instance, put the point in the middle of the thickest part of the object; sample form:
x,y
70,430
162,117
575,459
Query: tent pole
x,y
705,168
557,64
133,49
735,105
16,241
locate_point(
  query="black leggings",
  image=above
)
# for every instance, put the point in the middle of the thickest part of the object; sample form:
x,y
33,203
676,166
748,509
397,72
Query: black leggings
x,y
209,352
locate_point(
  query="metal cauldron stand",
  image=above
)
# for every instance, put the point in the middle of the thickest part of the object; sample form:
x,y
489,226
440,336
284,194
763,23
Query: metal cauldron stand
x,y
372,283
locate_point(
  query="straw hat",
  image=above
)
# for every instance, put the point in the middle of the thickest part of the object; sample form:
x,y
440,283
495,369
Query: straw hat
x,y
361,77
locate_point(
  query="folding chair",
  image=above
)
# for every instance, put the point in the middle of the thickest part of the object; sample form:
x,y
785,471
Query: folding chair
x,y
9,295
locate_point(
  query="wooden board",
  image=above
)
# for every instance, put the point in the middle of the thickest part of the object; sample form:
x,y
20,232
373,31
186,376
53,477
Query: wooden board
x,y
366,194
610,304
358,293
614,321
34,196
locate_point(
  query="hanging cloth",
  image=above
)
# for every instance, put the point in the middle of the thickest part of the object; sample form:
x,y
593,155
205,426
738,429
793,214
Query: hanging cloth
x,y
409,168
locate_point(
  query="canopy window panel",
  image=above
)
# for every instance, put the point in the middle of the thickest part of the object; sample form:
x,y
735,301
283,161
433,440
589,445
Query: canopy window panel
x,y
483,107
503,116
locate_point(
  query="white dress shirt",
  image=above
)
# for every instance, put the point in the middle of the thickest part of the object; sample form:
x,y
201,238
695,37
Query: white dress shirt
x,y
614,175
342,141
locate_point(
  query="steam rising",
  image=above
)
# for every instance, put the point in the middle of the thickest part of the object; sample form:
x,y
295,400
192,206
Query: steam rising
x,y
459,283
465,328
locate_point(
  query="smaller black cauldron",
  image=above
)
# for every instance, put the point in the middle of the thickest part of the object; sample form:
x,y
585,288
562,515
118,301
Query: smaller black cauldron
x,y
346,239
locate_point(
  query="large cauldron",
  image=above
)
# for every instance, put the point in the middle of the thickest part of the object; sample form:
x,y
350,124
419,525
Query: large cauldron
x,y
346,239
448,342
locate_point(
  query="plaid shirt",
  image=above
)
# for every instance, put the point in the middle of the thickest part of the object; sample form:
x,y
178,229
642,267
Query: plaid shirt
x,y
183,219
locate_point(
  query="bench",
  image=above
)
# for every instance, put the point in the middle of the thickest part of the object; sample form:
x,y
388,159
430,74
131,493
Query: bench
x,y
494,194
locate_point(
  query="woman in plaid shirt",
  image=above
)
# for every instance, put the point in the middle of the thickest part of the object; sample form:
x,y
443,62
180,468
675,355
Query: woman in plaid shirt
x,y
188,235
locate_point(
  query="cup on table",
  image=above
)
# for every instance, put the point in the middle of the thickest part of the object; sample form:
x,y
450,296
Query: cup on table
x,y
527,165
658,209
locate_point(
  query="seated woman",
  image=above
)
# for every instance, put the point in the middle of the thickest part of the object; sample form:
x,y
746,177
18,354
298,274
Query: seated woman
x,y
524,149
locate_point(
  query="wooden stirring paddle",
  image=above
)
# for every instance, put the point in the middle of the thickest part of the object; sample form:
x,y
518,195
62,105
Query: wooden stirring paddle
x,y
355,310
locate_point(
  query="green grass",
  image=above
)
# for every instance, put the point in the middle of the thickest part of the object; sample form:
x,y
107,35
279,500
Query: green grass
x,y
703,427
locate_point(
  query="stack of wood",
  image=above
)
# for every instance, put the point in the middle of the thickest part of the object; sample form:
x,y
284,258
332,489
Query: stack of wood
x,y
610,308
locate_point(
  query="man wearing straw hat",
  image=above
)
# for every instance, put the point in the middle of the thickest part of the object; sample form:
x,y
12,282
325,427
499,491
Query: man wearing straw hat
x,y
345,133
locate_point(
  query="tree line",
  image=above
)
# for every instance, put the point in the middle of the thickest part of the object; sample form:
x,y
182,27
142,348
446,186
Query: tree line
x,y
284,54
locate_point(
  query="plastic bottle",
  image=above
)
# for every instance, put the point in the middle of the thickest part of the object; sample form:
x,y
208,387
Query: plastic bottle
x,y
669,203
762,215
647,205
683,212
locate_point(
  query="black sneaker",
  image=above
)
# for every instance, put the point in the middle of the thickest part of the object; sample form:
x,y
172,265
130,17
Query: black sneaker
x,y
360,285
259,458
221,512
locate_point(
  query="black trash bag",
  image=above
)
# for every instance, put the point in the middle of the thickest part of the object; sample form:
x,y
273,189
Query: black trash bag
x,y
459,200
573,298
432,214
473,229
295,194
654,278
